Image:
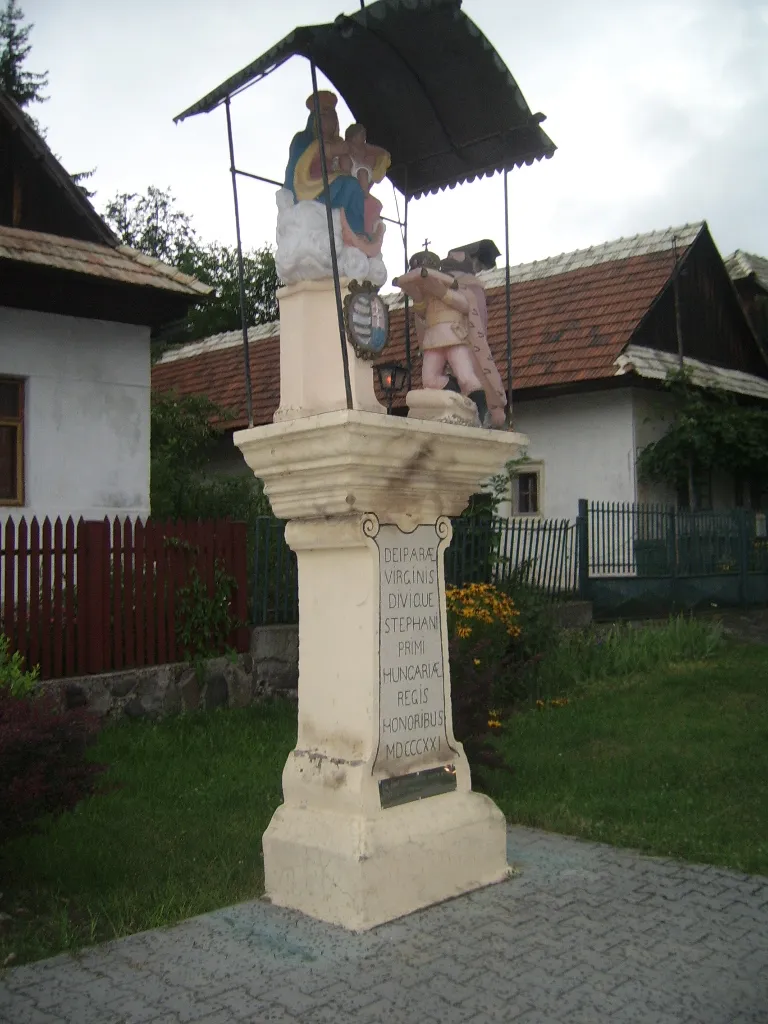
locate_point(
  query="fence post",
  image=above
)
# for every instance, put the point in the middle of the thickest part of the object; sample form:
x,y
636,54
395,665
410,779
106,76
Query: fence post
x,y
582,548
91,596
240,571
743,532
672,557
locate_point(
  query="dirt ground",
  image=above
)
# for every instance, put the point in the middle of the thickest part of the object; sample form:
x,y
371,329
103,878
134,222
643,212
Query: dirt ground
x,y
748,624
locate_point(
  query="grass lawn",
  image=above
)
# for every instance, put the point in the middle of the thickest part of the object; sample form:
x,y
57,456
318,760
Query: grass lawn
x,y
177,833
672,762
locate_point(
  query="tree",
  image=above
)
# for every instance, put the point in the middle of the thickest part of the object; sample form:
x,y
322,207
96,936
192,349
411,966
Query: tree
x,y
23,86
154,225
710,430
182,438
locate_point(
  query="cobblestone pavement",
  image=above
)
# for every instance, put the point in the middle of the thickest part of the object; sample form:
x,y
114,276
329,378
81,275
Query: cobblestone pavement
x,y
584,934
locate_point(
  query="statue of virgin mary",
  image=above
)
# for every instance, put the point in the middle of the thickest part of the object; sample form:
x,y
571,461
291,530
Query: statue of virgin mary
x,y
303,174
302,250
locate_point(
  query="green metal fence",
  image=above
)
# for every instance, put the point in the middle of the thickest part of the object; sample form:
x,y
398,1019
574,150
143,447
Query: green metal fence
x,y
647,558
274,576
540,553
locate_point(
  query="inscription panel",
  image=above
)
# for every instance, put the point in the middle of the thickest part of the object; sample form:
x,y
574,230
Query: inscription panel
x,y
412,724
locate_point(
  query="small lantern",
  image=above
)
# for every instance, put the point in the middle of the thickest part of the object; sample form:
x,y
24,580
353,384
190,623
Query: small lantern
x,y
392,378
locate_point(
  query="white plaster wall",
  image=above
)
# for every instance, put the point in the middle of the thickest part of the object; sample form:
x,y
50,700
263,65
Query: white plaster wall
x,y
86,413
653,414
585,443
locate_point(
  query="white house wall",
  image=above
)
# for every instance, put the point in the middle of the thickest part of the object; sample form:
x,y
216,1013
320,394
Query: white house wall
x,y
86,417
584,443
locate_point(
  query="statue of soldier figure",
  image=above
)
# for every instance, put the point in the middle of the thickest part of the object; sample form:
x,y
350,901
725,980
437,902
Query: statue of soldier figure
x,y
451,326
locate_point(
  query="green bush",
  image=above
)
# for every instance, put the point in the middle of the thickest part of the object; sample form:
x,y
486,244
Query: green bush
x,y
13,677
483,628
620,651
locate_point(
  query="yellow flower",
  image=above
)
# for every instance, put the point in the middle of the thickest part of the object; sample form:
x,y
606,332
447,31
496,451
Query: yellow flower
x,y
477,661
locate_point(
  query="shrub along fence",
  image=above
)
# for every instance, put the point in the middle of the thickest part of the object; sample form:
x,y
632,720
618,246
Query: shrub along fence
x,y
540,553
648,558
92,596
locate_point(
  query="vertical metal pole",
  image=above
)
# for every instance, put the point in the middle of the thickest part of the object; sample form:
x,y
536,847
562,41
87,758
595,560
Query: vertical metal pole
x,y
509,304
582,549
681,358
331,239
405,305
676,295
240,274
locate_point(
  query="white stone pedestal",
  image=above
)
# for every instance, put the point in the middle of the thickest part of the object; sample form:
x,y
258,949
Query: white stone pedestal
x,y
378,818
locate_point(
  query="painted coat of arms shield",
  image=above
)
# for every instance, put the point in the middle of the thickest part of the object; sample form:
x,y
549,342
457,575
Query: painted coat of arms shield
x,y
367,319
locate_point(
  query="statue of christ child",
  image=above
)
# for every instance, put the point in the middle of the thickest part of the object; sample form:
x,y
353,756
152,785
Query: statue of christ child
x,y
360,160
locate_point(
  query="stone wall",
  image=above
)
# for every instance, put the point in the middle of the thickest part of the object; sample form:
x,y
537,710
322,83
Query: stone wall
x,y
271,668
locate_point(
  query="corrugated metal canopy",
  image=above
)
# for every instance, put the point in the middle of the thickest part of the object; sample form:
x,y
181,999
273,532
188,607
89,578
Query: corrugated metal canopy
x,y
426,83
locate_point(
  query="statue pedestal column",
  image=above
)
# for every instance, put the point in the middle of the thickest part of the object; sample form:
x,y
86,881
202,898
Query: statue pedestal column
x,y
311,367
379,818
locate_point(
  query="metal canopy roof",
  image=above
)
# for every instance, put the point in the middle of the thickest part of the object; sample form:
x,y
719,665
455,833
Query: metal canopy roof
x,y
426,83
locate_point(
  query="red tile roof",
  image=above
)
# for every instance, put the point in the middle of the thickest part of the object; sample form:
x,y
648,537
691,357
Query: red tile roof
x,y
567,327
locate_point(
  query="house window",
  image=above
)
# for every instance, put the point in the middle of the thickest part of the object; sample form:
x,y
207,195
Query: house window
x,y
702,487
752,494
526,494
11,441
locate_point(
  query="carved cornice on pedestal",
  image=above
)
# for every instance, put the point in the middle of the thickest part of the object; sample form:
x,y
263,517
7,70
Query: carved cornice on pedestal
x,y
346,462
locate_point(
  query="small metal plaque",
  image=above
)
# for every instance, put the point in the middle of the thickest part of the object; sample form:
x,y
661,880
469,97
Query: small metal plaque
x,y
403,789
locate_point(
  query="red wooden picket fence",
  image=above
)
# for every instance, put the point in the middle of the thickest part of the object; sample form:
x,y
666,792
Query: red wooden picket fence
x,y
92,596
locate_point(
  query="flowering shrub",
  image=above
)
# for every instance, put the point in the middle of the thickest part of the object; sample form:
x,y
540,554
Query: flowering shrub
x,y
43,769
483,625
12,674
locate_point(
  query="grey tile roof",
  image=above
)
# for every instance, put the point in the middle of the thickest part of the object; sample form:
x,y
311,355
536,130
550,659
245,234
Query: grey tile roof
x,y
656,365
219,342
120,263
742,264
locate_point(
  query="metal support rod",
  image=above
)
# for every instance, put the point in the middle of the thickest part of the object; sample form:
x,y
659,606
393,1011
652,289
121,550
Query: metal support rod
x,y
405,303
260,177
240,275
509,303
331,239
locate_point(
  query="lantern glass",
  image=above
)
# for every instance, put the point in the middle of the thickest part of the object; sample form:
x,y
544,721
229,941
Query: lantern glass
x,y
392,378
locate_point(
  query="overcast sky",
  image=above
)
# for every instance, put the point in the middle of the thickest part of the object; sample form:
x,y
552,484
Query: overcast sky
x,y
659,111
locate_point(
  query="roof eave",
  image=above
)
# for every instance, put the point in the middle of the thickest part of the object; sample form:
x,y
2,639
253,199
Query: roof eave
x,y
42,152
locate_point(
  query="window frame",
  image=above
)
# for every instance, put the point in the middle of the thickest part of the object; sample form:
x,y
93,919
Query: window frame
x,y
536,470
703,491
18,423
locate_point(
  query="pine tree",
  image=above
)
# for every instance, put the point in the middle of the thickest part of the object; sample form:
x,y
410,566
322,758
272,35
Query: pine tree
x,y
23,86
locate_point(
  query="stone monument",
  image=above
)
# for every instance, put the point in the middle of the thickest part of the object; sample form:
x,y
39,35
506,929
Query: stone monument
x,y
379,817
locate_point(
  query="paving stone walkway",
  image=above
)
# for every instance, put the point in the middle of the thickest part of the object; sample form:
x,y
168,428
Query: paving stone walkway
x,y
583,934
